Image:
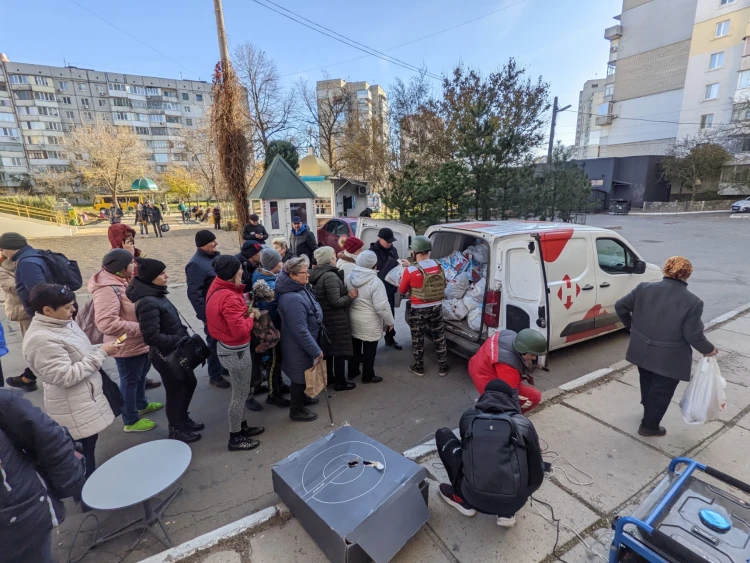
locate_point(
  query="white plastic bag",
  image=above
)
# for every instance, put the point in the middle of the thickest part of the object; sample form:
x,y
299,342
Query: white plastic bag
x,y
705,396
477,292
454,310
475,319
456,288
480,253
470,303
394,276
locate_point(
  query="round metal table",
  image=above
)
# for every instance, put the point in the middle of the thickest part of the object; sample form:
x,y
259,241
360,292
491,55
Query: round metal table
x,y
136,476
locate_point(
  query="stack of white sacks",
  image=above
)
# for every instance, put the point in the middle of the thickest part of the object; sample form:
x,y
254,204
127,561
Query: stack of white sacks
x,y
464,292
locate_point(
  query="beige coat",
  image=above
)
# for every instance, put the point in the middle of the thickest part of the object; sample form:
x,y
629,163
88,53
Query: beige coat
x,y
61,356
13,307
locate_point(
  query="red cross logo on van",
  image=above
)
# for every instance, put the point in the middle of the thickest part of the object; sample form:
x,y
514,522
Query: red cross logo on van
x,y
566,293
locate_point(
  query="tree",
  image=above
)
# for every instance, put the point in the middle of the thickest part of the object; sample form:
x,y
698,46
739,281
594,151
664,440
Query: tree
x,y
364,152
204,157
449,183
286,150
270,106
496,122
409,193
182,183
694,161
566,185
106,155
55,182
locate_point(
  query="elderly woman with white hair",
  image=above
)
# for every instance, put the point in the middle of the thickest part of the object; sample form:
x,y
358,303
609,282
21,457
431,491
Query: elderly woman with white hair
x,y
281,245
370,315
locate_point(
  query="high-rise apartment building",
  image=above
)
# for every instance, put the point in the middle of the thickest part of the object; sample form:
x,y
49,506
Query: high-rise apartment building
x,y
587,131
40,104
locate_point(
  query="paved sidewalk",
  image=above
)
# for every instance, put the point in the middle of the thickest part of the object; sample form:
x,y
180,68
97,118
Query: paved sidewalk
x,y
595,428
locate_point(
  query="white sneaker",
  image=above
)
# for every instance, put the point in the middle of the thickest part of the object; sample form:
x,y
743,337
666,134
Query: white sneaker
x,y
506,522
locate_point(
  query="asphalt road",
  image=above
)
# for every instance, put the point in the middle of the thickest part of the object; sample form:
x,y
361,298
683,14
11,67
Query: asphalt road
x,y
404,410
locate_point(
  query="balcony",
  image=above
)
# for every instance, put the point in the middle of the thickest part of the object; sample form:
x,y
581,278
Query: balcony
x,y
612,33
604,113
613,53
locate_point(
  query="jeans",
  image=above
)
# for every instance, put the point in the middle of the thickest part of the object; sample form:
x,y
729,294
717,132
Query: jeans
x,y
217,222
89,445
179,393
215,370
133,373
157,228
656,394
365,351
144,226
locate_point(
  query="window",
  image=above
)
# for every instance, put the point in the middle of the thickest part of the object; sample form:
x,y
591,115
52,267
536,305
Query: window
x,y
157,118
139,104
323,207
161,158
19,79
52,112
89,115
8,132
722,28
100,89
274,207
189,122
52,126
613,257
142,131
609,89
7,117
27,110
42,81
24,95
4,102
179,157
170,94
142,117
85,102
152,91
70,115
81,86
172,119
138,90
727,2
121,102
159,131
298,209
121,116
199,97
32,125
744,80
712,91
53,140
157,144
186,109
44,96
161,168
38,155
62,85
744,144
66,100
717,61
102,103
11,161
117,87
707,121
186,96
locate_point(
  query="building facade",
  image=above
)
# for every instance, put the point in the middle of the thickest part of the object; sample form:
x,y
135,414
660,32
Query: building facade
x,y
40,104
588,133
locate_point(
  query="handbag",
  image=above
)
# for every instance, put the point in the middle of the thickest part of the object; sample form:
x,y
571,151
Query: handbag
x,y
189,353
165,228
112,392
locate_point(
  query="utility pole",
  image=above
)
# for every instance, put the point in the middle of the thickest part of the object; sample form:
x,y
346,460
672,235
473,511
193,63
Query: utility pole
x,y
222,33
555,111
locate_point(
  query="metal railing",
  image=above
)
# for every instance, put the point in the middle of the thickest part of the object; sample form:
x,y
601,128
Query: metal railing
x,y
38,213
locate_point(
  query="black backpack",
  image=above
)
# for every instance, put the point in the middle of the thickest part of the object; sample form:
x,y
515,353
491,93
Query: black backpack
x,y
496,472
64,272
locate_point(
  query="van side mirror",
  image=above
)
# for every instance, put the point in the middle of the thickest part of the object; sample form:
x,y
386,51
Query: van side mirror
x,y
639,267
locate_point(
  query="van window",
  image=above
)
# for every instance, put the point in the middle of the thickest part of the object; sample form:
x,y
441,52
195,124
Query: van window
x,y
614,257
523,274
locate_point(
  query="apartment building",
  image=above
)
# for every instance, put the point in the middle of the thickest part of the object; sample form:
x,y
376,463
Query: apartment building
x,y
588,133
40,104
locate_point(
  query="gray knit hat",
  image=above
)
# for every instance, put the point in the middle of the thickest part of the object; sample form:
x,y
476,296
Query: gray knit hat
x,y
269,258
12,241
368,259
324,254
116,260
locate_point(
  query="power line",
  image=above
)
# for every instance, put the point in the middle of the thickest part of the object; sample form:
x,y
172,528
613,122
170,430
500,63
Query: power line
x,y
413,40
154,49
345,40
641,119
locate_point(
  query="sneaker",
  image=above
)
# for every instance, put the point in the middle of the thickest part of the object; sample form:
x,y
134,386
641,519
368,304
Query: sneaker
x,y
151,407
143,425
221,383
152,383
302,414
448,494
194,426
239,443
187,436
445,370
506,522
278,400
253,405
19,383
648,432
250,431
417,370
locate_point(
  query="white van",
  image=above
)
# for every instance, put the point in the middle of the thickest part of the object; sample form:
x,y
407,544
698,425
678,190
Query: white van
x,y
560,279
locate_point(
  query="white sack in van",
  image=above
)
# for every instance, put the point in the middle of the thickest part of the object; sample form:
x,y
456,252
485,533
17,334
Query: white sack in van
x,y
479,253
454,310
457,287
477,292
470,302
475,319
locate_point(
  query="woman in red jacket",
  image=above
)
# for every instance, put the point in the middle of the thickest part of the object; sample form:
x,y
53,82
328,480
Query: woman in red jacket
x,y
230,323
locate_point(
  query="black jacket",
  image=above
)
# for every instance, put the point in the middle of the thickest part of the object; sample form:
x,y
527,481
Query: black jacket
x,y
32,443
495,402
330,291
158,318
303,244
153,213
247,271
387,260
250,230
200,275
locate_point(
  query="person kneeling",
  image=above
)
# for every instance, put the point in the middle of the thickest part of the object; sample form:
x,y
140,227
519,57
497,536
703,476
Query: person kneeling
x,y
497,465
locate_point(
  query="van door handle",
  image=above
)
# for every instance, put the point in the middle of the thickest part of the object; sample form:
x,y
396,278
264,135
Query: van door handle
x,y
605,284
587,287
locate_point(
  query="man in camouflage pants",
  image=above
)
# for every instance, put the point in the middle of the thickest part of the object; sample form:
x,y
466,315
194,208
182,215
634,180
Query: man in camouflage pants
x,y
424,281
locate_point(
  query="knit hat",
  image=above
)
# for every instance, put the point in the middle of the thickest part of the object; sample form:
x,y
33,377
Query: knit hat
x,y
678,268
12,241
117,260
226,266
269,258
368,259
353,244
296,219
254,217
149,269
324,254
250,248
202,238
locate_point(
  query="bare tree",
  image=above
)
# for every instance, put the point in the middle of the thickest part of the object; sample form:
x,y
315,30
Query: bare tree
x,y
364,151
696,162
325,116
270,106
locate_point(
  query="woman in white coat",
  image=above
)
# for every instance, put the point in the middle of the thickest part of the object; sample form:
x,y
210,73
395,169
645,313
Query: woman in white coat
x,y
370,316
65,361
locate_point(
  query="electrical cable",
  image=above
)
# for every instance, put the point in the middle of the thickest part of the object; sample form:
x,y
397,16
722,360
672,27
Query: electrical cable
x,y
90,548
413,40
634,118
345,40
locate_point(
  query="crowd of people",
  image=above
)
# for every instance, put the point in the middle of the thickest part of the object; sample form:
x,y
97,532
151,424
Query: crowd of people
x,y
269,311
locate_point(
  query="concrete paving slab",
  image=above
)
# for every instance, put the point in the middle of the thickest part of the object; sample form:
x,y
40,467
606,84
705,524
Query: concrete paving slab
x,y
224,557
732,341
734,367
604,453
631,377
740,325
596,550
744,422
729,453
619,406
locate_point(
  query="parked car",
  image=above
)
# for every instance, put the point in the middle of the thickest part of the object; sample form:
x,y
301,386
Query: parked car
x,y
330,232
560,279
742,206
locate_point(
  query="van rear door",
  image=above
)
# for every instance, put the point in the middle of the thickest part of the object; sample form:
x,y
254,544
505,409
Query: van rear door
x,y
367,231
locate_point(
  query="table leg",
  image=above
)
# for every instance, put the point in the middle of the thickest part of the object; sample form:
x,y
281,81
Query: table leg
x,y
154,516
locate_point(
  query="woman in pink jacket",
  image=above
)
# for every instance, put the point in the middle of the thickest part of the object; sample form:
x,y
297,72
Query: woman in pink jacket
x,y
114,315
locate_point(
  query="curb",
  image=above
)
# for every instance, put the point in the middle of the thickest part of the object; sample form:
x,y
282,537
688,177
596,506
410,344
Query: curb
x,y
271,515
682,212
